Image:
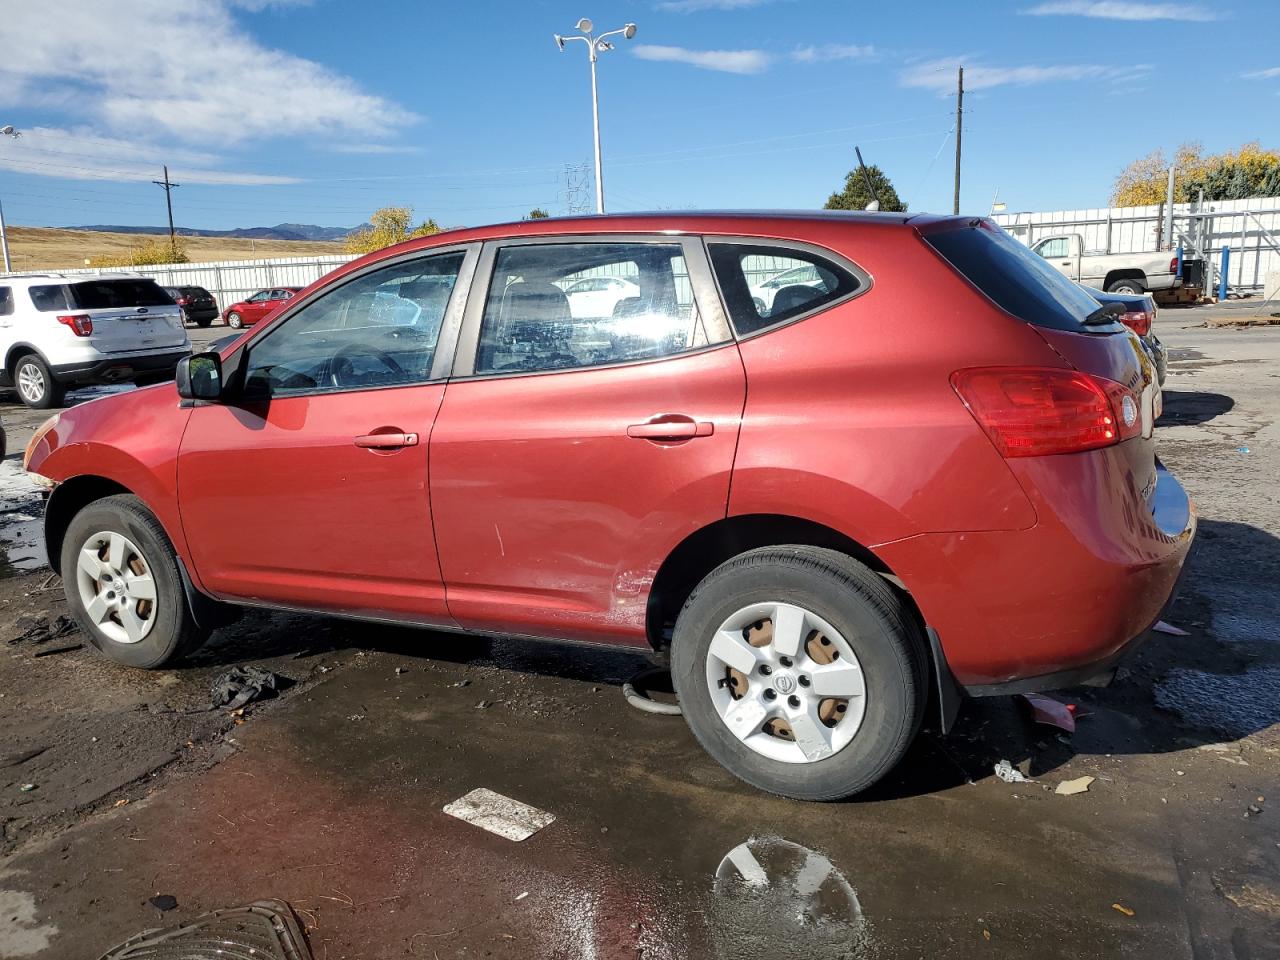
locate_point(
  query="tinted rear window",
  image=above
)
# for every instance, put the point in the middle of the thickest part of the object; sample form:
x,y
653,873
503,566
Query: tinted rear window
x,y
105,294
764,286
1019,281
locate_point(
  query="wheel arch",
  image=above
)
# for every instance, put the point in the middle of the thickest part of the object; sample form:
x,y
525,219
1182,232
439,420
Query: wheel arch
x,y
19,350
1129,274
705,549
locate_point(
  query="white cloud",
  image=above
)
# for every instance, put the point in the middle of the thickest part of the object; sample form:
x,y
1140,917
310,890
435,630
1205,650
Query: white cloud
x,y
832,51
940,75
1118,10
694,6
1269,74
187,70
728,61
81,155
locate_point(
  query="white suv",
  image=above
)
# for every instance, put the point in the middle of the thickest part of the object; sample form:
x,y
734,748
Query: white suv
x,y
59,330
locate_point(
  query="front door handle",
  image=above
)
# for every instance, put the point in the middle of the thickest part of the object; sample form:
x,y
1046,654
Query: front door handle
x,y
677,427
387,441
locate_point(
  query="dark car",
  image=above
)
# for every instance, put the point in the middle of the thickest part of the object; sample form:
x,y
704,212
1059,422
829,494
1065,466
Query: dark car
x,y
1139,316
197,303
831,510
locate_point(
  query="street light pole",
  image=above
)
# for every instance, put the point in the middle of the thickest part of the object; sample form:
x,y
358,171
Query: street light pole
x,y
596,46
7,131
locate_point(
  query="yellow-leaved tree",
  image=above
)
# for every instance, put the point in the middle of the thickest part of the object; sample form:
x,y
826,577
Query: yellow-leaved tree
x,y
389,225
1239,174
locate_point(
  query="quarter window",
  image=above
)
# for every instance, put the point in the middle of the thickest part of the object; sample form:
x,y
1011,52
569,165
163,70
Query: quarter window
x,y
572,305
375,331
763,286
6,301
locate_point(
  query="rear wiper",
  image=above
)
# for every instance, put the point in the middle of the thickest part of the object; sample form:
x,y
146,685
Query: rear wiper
x,y
1107,313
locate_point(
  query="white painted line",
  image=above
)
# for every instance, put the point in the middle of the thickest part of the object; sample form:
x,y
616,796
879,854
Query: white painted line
x,y
498,814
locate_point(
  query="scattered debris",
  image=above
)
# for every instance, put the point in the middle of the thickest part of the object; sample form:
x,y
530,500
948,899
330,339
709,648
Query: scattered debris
x,y
268,929
1007,772
356,716
163,902
498,814
27,787
1069,788
461,683
1242,449
42,631
400,670
53,651
986,934
1047,710
484,704
1169,628
1253,811
1120,907
522,896
241,685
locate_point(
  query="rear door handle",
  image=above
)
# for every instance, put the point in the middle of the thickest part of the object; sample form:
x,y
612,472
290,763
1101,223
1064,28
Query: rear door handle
x,y
671,428
387,441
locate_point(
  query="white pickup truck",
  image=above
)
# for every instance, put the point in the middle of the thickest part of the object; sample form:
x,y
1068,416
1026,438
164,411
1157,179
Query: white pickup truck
x,y
1113,272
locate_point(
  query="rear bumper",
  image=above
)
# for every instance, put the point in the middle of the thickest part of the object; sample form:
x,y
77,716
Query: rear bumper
x,y
196,314
118,369
1062,603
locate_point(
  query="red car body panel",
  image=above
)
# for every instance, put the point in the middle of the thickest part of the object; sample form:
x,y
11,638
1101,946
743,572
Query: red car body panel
x,y
550,520
253,312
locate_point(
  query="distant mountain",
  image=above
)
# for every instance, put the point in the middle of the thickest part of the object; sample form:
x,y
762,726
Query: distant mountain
x,y
281,231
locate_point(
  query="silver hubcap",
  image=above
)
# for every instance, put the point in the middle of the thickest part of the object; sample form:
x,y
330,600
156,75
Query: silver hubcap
x,y
116,587
786,683
30,382
234,320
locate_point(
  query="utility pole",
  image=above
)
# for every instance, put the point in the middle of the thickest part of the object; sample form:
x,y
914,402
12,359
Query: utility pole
x,y
168,200
955,207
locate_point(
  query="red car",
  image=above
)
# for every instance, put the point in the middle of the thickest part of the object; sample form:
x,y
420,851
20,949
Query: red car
x,y
252,309
928,472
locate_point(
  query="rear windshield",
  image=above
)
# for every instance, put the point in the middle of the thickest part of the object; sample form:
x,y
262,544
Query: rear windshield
x,y
105,294
1019,281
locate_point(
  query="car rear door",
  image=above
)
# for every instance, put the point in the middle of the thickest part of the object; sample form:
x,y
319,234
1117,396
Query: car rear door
x,y
572,454
308,486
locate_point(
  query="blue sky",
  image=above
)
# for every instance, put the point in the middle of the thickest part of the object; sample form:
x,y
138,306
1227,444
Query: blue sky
x,y
272,111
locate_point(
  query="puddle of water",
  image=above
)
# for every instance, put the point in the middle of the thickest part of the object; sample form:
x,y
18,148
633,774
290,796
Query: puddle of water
x,y
21,527
1233,704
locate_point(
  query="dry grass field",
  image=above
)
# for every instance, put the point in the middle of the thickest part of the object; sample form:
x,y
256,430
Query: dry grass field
x,y
48,248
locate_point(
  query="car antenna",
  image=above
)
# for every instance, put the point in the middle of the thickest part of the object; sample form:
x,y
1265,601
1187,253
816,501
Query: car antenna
x,y
866,176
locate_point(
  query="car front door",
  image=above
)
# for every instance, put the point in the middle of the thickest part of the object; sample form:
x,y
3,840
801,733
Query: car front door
x,y
308,486
572,454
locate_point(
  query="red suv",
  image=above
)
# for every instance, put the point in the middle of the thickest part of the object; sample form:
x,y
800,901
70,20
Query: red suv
x,y
925,470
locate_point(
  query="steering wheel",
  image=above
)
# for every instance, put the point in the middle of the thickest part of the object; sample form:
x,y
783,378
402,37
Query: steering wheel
x,y
340,366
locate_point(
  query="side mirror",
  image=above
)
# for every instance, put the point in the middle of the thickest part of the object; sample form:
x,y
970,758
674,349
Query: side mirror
x,y
199,377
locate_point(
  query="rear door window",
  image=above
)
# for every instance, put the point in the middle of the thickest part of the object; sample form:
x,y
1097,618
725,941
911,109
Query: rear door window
x,y
1015,278
52,296
109,294
767,285
571,305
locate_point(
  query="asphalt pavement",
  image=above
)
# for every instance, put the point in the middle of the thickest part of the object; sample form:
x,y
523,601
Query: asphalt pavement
x,y
331,795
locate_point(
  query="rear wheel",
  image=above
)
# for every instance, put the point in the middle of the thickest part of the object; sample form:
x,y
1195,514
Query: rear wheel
x,y
235,320
800,671
122,583
205,322
1127,285
35,384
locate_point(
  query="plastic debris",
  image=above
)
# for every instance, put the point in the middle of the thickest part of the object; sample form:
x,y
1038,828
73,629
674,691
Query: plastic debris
x,y
1007,772
1069,788
1120,907
241,685
498,814
27,787
163,902
1242,450
267,930
522,896
42,631
1049,711
1163,627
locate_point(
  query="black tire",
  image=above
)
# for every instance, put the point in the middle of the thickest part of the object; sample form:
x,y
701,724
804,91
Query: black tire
x,y
1127,285
53,392
173,633
234,321
857,603
204,323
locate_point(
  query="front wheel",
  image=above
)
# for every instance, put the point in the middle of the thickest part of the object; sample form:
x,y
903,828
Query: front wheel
x,y
235,320
122,583
36,386
800,671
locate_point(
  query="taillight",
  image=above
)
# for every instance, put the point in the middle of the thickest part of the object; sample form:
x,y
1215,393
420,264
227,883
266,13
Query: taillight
x,y
81,324
1037,411
1139,321
1173,266
182,301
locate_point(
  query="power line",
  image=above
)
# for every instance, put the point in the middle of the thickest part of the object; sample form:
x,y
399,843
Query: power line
x,y
168,199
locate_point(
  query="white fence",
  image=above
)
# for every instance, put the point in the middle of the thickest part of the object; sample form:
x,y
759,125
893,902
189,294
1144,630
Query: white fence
x,y
233,280
1249,228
